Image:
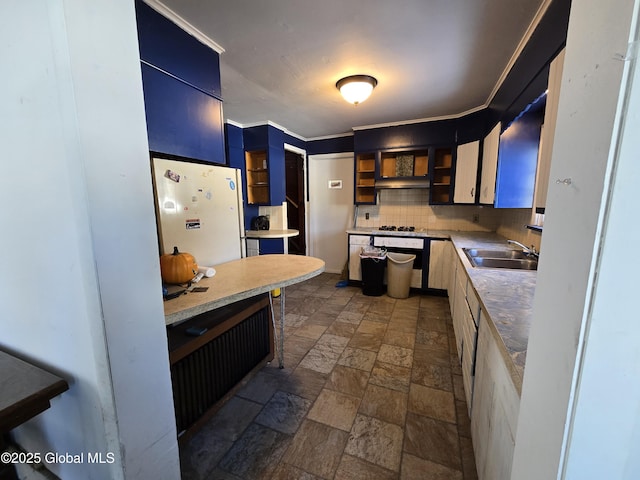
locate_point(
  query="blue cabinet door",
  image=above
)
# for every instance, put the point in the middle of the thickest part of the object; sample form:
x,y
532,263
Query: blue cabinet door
x,y
182,120
271,245
517,162
169,48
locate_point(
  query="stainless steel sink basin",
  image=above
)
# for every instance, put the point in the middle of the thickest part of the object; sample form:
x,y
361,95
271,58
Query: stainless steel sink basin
x,y
474,252
514,263
512,259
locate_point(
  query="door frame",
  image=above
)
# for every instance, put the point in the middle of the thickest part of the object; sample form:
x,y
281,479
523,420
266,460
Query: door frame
x,y
347,156
305,176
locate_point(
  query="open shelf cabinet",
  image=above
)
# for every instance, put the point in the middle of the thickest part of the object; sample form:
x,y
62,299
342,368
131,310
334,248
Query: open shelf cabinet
x,y
414,163
441,175
365,170
257,177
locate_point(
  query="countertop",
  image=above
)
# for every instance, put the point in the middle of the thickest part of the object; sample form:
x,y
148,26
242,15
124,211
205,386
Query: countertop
x,y
505,295
240,279
271,233
25,391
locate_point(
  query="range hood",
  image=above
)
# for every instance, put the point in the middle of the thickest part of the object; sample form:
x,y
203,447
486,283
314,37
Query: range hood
x,y
402,182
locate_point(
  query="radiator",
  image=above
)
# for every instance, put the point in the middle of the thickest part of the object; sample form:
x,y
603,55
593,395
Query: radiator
x,y
203,377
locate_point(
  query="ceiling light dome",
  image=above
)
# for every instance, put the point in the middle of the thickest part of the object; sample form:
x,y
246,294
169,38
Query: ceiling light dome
x,y
356,88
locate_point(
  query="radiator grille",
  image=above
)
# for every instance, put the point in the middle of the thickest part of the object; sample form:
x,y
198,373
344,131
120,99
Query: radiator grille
x,y
203,377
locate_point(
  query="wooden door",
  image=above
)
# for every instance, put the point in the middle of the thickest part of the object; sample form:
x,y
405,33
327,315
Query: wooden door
x,y
294,194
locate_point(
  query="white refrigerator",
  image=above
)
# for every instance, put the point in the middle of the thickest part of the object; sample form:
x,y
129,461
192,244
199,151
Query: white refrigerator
x,y
199,210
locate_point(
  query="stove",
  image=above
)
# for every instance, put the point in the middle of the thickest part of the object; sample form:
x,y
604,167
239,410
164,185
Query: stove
x,y
393,228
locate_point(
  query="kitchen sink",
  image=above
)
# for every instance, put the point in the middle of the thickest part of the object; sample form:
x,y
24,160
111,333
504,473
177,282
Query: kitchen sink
x,y
513,259
474,252
515,263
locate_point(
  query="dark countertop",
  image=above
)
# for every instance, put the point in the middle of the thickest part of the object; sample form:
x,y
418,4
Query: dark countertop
x,y
25,390
506,296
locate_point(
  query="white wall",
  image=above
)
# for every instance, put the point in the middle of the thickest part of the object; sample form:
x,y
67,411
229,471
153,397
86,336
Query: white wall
x,y
80,283
330,210
584,150
605,428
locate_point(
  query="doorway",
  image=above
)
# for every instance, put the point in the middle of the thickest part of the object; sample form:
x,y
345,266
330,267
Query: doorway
x,y
294,194
330,208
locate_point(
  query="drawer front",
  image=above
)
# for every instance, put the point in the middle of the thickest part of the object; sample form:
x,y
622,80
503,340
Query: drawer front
x,y
359,240
417,243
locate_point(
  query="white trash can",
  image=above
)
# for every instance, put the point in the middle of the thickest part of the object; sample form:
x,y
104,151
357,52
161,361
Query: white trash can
x,y
399,270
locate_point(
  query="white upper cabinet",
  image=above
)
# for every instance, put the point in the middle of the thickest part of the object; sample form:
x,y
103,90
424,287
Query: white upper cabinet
x,y
548,132
489,166
466,173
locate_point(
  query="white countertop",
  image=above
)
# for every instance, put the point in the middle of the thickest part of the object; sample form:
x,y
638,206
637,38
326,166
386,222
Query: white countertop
x,y
240,279
271,233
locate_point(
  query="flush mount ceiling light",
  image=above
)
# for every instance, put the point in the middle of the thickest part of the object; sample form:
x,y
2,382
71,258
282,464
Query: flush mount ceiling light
x,y
356,88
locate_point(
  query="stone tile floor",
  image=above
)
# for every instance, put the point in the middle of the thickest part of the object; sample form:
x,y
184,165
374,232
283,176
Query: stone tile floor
x,y
371,389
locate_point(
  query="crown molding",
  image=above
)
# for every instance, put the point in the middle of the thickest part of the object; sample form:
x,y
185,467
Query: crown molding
x,y
235,124
523,43
270,123
166,12
329,137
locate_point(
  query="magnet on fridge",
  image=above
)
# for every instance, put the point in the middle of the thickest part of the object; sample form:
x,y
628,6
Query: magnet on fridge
x,y
173,176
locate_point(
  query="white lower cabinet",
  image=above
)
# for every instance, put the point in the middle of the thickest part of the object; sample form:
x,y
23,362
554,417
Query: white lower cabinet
x,y
470,333
494,411
453,265
492,398
459,306
439,265
465,314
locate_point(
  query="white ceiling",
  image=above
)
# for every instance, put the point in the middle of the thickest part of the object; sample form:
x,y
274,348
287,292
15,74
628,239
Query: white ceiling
x,y
432,58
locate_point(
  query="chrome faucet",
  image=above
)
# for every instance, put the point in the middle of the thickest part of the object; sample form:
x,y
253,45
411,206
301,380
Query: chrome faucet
x,y
526,250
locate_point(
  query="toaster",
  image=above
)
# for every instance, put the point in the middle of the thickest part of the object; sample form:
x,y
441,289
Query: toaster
x,y
261,222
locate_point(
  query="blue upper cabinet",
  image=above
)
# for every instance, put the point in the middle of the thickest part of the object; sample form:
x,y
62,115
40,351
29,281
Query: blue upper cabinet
x,y
169,48
181,83
264,168
518,158
182,120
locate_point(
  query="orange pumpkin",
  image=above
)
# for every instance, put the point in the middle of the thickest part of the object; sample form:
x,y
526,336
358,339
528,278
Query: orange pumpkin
x,y
177,267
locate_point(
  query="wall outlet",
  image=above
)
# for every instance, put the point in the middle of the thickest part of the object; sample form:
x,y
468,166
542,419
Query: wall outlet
x,y
476,218
366,216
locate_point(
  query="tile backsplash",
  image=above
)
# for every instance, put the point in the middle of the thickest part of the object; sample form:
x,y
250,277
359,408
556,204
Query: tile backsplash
x,y
277,215
513,226
411,207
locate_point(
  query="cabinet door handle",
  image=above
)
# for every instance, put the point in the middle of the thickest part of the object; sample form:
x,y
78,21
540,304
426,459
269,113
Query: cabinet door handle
x,y
471,192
